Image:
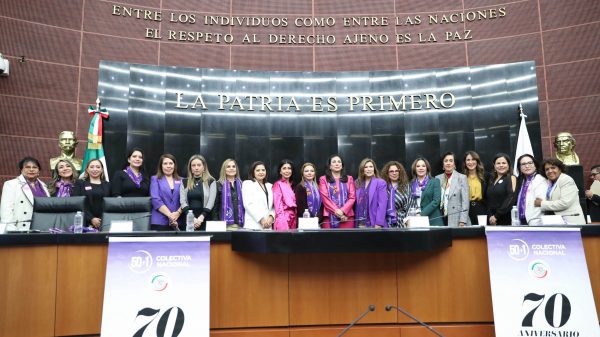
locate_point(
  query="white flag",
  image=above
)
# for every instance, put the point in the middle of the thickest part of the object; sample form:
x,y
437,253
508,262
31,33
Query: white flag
x,y
523,142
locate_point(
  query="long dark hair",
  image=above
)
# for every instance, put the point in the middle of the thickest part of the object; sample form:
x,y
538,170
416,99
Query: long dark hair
x,y
283,162
479,169
130,153
159,171
329,176
494,176
251,172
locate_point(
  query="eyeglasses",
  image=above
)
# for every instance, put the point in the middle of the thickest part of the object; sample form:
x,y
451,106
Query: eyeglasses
x,y
593,174
527,163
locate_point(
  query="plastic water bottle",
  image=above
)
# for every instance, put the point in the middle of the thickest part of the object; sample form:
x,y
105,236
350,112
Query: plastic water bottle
x,y
189,221
78,223
306,214
514,217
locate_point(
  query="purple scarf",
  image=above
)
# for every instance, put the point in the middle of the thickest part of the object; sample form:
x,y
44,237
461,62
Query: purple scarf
x,y
37,190
313,198
417,188
362,205
227,203
137,180
550,188
339,198
63,189
523,196
390,210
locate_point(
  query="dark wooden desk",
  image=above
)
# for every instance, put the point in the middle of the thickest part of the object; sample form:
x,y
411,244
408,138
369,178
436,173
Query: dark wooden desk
x,y
53,285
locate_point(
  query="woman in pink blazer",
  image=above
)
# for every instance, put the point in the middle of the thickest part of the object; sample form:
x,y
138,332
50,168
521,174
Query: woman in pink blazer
x,y
338,195
284,198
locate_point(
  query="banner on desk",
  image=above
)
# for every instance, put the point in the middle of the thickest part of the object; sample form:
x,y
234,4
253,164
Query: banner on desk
x,y
157,286
540,283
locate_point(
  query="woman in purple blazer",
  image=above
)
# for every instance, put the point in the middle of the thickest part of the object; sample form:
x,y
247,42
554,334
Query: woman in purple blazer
x,y
164,192
371,196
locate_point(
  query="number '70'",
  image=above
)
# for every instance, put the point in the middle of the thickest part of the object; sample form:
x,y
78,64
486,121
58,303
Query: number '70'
x,y
556,318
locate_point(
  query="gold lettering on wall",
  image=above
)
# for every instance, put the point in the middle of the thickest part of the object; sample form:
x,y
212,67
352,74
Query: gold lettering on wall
x,y
322,33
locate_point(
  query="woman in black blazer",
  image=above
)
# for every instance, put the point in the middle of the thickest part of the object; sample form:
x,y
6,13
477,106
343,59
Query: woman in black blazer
x,y
95,188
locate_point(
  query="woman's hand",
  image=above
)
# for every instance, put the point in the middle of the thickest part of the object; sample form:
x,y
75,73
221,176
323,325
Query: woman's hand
x,y
537,202
493,220
96,222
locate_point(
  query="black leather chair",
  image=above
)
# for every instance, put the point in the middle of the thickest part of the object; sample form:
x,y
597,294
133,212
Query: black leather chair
x,y
55,212
136,209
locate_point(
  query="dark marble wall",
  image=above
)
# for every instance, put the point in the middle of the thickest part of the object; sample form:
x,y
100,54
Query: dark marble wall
x,y
64,40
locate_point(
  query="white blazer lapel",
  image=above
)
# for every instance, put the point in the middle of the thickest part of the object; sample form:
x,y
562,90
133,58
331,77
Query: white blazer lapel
x,y
26,189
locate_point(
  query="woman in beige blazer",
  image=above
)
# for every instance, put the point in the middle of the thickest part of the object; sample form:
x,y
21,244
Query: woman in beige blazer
x,y
562,196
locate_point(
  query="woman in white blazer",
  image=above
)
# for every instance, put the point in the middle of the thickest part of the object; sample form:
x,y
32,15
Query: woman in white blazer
x,y
562,195
258,199
16,207
530,186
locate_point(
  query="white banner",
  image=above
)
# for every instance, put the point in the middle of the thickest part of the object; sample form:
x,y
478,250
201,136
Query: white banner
x,y
540,283
157,287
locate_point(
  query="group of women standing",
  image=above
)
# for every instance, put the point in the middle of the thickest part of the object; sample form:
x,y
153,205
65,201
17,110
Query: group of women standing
x,y
374,199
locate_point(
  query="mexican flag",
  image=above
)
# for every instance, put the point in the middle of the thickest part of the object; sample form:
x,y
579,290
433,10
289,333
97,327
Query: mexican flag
x,y
94,149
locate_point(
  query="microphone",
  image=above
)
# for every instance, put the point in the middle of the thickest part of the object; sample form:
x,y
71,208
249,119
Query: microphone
x,y
443,216
390,307
369,309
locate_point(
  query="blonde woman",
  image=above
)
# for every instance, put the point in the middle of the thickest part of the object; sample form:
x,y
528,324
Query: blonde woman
x,y
229,203
197,192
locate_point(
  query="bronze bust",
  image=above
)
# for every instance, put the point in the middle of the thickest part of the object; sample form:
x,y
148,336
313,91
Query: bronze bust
x,y
564,143
67,143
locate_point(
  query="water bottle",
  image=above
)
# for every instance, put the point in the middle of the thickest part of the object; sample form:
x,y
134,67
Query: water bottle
x,y
514,217
306,214
78,223
189,221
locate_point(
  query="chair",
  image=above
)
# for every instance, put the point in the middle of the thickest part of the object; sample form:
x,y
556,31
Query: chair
x,y
51,212
136,209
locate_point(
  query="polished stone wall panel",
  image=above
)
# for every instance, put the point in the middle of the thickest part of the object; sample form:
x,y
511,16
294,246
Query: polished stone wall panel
x,y
15,32
116,25
194,55
210,6
438,55
572,44
95,49
574,79
245,7
60,13
557,14
515,49
40,80
48,34
54,115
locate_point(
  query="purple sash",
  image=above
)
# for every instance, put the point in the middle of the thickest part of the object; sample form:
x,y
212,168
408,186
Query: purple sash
x,y
313,198
137,180
362,206
550,188
227,203
339,198
64,189
417,188
37,190
390,210
523,196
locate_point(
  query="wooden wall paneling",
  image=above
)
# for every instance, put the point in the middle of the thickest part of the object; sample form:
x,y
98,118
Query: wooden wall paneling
x,y
247,290
462,330
80,289
258,332
450,285
337,288
356,331
27,291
